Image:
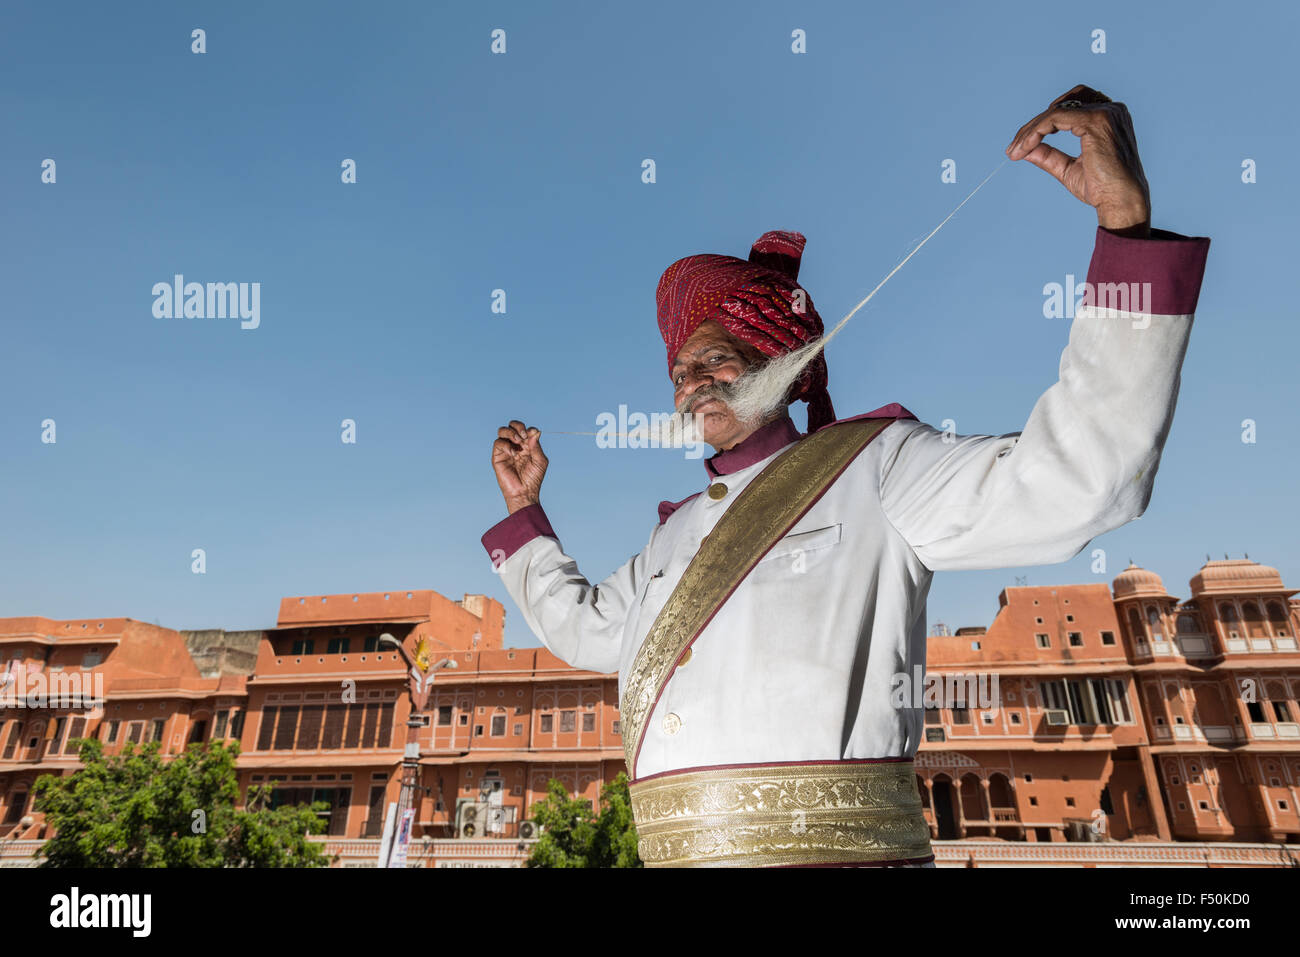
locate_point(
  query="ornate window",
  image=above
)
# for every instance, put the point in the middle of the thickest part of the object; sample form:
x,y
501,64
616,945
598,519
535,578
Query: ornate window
x,y
1135,625
1153,619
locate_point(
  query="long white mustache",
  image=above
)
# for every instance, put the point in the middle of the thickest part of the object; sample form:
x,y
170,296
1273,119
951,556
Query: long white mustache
x,y
762,388
752,397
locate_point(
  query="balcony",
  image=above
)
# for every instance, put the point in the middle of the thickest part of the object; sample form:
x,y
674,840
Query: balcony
x,y
1194,646
1282,731
1239,644
279,668
996,817
1050,725
1189,733
475,852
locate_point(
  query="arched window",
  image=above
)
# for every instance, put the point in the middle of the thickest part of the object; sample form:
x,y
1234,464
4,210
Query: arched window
x,y
17,804
1254,615
1135,625
1153,619
1277,616
1189,623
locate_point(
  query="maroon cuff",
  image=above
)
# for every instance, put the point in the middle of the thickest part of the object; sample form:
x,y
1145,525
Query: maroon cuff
x,y
1161,275
515,531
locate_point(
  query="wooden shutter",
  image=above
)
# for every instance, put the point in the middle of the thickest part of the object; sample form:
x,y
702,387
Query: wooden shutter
x,y
385,726
15,735
355,713
309,730
335,718
284,730
372,721
268,726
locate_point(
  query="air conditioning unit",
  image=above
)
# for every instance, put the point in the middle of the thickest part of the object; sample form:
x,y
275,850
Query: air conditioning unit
x,y
1058,717
528,830
467,823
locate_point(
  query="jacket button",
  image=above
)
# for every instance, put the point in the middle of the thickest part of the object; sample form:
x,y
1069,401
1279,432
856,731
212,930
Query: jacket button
x,y
672,723
717,491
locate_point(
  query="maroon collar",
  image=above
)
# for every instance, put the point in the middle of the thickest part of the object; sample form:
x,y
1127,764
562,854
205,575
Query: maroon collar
x,y
764,442
761,443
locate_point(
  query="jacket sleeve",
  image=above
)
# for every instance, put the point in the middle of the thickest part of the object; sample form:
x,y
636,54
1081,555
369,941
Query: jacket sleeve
x,y
581,623
1086,459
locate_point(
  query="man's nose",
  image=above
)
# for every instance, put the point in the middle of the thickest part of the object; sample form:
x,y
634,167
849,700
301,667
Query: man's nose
x,y
697,379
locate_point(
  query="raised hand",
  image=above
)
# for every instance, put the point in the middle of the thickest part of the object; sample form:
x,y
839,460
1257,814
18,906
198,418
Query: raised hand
x,y
519,463
1107,173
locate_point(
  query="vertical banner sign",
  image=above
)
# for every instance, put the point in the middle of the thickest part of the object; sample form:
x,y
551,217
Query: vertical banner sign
x,y
403,839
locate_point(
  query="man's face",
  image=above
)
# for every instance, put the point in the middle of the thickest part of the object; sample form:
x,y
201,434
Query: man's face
x,y
709,356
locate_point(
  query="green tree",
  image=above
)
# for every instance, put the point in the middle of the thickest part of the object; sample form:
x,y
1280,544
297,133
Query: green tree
x,y
137,810
573,836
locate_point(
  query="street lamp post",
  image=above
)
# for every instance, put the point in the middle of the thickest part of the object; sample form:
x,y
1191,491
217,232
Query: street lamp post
x,y
417,688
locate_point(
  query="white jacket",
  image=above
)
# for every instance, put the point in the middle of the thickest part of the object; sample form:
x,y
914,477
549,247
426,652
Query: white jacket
x,y
798,663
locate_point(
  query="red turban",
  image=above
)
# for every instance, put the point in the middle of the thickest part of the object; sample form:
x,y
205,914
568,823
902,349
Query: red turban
x,y
755,302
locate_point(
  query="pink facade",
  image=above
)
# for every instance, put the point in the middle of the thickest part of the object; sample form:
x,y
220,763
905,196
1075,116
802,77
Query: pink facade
x,y
1127,716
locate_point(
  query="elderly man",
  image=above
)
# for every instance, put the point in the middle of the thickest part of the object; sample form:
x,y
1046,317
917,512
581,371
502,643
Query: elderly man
x,y
759,633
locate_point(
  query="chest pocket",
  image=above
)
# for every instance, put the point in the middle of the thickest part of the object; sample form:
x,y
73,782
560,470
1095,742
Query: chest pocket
x,y
798,545
654,587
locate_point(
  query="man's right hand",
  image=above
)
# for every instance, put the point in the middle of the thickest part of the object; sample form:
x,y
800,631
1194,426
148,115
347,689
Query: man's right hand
x,y
519,463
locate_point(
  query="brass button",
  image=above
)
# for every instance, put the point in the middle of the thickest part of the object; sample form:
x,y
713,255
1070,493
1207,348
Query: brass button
x,y
717,491
672,723
686,657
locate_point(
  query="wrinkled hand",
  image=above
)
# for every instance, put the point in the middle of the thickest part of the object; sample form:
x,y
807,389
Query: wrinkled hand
x,y
519,463
1107,173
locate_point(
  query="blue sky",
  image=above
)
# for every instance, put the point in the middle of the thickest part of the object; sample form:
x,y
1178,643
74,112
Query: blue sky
x,y
522,171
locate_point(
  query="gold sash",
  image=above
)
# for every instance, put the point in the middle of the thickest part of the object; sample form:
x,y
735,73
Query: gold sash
x,y
760,516
795,814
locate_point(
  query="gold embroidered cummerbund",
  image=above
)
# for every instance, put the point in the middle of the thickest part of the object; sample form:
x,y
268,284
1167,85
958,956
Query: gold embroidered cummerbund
x,y
763,815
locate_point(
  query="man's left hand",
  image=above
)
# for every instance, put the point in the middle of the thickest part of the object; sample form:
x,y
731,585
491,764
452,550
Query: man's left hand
x,y
1107,173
